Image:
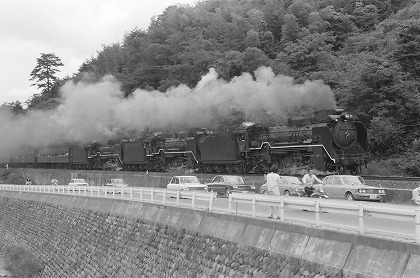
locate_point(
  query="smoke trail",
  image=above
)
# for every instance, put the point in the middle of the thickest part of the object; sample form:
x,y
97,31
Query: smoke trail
x,y
98,111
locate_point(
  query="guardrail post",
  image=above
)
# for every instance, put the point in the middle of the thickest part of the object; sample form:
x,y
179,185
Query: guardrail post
x,y
91,191
141,193
131,193
86,191
177,198
122,192
317,213
361,219
230,204
211,201
282,208
193,200
253,206
417,225
164,196
74,190
151,194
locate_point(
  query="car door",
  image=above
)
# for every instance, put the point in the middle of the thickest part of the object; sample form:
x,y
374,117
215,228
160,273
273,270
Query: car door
x,y
172,184
328,186
338,188
216,182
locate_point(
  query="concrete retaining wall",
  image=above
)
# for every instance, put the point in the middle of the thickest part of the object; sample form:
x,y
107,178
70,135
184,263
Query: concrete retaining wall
x,y
178,242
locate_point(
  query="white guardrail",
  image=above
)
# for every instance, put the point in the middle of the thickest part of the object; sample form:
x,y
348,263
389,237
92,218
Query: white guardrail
x,y
205,200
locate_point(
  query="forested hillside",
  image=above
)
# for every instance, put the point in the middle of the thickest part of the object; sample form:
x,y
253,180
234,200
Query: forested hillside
x,y
366,51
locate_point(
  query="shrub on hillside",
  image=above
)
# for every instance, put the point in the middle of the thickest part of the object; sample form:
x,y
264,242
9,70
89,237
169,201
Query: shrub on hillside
x,y
12,176
20,263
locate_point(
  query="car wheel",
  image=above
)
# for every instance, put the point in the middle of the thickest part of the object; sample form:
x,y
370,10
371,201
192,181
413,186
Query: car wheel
x,y
349,196
264,192
286,193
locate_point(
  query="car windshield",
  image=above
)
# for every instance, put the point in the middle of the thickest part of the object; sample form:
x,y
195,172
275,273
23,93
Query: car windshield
x,y
189,180
353,180
293,180
79,181
233,179
118,180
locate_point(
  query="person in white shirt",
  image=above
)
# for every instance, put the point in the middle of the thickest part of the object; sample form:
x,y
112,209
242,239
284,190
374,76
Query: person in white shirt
x,y
273,187
309,179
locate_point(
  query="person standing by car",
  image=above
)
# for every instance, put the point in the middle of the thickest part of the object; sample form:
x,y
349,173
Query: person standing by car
x,y
54,181
308,180
273,187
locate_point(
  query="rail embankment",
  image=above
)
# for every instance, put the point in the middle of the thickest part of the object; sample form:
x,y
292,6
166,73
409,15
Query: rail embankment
x,y
93,237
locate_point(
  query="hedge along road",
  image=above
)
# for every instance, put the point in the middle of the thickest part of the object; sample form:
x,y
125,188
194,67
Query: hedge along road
x,y
404,230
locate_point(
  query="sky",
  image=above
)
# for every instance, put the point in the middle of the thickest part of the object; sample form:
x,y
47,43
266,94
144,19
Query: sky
x,y
74,30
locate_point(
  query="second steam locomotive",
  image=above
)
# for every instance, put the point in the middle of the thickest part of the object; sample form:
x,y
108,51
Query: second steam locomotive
x,y
329,140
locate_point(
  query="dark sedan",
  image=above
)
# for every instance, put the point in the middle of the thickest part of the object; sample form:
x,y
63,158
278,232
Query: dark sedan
x,y
223,185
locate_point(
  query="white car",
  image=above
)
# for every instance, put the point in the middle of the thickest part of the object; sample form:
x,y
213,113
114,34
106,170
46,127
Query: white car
x,y
416,195
186,183
78,182
116,183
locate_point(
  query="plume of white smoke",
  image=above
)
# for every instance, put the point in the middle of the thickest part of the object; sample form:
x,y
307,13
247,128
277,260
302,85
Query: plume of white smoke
x,y
98,111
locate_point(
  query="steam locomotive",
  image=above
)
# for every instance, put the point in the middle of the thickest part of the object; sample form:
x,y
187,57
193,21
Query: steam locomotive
x,y
329,140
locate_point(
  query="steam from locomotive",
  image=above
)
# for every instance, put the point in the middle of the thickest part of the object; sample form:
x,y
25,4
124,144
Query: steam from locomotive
x,y
97,112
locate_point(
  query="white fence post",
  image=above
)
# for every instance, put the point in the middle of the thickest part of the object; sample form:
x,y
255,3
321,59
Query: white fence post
x,y
177,198
141,193
282,208
122,192
361,219
193,200
164,196
131,193
151,194
417,225
253,206
211,201
317,213
230,204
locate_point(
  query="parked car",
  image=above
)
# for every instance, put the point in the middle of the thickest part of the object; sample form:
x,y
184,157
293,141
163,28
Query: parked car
x,y
416,195
78,182
225,184
287,187
352,188
116,183
186,183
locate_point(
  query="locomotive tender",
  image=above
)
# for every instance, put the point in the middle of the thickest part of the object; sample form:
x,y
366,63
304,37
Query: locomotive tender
x,y
329,140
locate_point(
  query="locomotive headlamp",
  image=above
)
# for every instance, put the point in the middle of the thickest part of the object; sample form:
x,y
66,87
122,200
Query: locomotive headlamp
x,y
346,116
